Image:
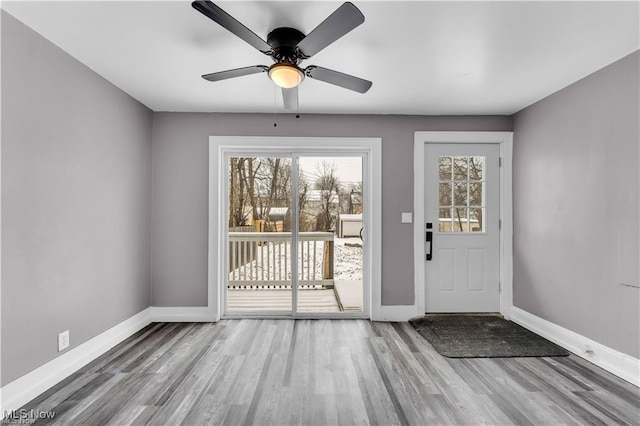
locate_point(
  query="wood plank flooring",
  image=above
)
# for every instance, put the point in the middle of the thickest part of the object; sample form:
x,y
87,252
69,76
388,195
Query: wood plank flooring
x,y
326,372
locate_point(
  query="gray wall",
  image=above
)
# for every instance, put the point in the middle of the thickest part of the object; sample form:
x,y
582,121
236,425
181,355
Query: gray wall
x,y
76,176
180,189
576,162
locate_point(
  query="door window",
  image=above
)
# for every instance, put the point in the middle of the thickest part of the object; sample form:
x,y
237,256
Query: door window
x,y
461,196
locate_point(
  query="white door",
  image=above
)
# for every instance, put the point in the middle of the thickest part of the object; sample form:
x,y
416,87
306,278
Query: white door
x,y
462,202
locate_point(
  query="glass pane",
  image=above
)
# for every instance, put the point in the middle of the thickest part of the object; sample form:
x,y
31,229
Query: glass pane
x,y
330,251
445,194
259,238
475,220
460,168
444,220
465,193
460,220
476,168
445,168
476,197
460,194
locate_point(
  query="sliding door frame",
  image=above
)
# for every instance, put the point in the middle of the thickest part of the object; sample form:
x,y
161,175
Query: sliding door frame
x,y
223,147
224,252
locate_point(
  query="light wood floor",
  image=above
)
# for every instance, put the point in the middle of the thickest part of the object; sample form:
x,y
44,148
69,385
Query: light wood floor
x,y
316,372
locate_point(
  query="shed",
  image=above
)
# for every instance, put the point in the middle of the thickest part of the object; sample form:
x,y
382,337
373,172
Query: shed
x,y
349,225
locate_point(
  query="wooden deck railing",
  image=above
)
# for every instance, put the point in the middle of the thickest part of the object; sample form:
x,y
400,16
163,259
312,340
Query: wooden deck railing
x,y
263,259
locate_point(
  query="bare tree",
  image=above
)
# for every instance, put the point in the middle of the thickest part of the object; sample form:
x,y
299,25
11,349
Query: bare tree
x,y
233,195
329,187
463,190
256,186
303,200
250,182
353,199
272,182
237,193
242,182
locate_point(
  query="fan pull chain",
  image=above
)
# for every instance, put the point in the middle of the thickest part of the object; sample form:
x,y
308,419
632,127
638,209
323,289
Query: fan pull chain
x,y
275,114
298,103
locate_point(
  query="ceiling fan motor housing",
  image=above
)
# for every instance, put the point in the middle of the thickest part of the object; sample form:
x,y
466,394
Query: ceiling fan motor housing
x,y
284,41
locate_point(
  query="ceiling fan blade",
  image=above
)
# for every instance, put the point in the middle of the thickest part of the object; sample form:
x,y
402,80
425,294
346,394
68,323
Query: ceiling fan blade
x,y
238,72
227,21
290,98
344,19
339,79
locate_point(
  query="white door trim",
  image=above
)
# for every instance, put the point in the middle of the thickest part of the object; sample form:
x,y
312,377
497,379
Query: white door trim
x,y
219,146
505,140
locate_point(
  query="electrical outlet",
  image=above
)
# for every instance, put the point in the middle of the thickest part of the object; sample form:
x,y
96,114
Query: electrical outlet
x,y
63,340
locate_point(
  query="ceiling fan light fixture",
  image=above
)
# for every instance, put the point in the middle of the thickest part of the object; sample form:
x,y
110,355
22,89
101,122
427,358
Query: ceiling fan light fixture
x,y
286,75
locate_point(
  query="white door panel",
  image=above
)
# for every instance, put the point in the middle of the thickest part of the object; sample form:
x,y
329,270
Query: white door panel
x,y
462,202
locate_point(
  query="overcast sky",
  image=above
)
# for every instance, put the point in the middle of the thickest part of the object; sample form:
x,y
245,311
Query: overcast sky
x,y
348,169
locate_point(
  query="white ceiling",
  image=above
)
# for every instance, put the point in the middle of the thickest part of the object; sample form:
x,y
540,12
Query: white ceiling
x,y
423,57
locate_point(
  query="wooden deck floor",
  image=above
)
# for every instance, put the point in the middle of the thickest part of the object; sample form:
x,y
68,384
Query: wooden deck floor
x,y
315,300
346,297
326,372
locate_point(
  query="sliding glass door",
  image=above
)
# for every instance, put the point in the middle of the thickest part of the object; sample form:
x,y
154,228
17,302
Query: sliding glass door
x,y
330,222
259,235
294,256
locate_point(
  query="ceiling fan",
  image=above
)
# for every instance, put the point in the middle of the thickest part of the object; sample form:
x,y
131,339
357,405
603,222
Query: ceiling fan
x,y
288,47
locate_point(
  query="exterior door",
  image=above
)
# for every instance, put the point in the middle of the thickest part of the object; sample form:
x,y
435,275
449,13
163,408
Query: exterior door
x,y
295,256
260,241
462,202
330,218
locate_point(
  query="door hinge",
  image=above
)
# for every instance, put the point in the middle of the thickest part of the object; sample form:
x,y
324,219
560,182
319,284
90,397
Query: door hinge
x,y
499,223
499,287
499,161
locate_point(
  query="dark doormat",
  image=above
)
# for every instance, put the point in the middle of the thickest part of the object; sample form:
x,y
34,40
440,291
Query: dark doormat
x,y
482,336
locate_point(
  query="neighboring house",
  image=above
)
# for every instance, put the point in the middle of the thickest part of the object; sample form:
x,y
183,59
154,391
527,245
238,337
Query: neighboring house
x,y
317,198
274,219
354,202
320,210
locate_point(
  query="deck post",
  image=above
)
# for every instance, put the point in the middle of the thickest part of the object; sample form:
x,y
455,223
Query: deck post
x,y
327,260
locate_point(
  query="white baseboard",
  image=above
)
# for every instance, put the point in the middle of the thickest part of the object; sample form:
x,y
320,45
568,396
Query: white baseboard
x,y
17,393
396,313
622,365
181,314
22,390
